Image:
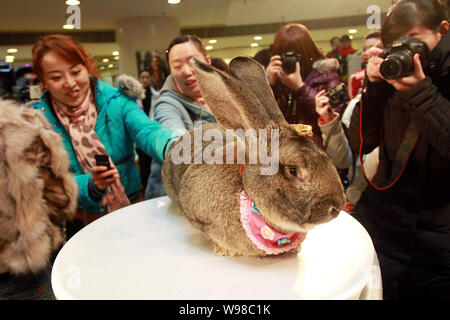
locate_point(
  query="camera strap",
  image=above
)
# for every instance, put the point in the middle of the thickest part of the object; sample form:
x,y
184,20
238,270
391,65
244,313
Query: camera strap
x,y
409,143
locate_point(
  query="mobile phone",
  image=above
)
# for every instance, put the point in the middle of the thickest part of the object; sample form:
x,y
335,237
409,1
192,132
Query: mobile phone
x,y
102,160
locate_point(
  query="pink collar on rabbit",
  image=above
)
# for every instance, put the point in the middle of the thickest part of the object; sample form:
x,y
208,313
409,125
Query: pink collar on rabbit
x,y
264,237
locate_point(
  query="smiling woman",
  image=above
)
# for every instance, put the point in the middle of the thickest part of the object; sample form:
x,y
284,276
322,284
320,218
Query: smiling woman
x,y
94,118
68,82
180,105
179,54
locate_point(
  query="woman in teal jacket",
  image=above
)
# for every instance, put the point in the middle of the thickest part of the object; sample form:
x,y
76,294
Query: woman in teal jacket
x,y
95,118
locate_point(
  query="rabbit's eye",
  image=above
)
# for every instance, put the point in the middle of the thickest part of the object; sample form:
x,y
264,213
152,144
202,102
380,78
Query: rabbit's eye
x,y
293,171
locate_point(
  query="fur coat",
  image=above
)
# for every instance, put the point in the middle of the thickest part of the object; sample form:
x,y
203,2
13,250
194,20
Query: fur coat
x,y
37,191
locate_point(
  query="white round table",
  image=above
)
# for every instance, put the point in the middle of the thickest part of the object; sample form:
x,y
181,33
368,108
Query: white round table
x,y
147,251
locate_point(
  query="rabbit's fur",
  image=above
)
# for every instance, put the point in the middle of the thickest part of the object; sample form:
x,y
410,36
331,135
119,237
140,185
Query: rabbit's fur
x,y
209,194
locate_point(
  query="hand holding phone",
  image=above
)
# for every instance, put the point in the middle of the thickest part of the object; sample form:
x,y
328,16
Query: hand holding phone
x,y
102,160
103,178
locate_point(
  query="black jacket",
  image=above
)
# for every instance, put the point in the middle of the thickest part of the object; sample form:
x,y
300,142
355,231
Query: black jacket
x,y
410,222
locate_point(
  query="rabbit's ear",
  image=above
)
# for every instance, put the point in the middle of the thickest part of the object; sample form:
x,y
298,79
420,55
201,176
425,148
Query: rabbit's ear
x,y
253,75
234,106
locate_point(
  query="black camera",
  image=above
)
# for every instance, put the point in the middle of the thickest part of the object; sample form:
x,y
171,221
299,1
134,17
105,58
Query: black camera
x,y
289,60
399,58
337,95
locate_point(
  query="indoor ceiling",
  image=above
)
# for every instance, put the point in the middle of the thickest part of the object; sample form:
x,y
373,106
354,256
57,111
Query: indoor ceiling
x,y
205,15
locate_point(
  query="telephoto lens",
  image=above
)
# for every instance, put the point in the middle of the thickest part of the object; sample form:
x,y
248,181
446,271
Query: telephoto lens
x,y
399,58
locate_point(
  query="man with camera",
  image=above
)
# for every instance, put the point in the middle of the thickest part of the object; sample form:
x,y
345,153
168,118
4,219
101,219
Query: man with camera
x,y
405,110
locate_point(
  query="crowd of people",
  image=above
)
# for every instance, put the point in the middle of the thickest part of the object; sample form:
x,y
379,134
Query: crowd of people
x,y
387,135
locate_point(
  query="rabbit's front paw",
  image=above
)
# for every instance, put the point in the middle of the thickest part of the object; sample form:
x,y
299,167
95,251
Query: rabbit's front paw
x,y
222,251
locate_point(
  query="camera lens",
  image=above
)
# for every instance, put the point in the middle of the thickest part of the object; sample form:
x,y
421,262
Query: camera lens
x,y
289,65
397,65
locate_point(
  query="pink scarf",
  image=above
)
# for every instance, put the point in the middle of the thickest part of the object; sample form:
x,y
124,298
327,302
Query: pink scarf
x,y
264,237
80,123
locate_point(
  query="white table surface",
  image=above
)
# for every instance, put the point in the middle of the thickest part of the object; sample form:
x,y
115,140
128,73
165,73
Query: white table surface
x,y
147,251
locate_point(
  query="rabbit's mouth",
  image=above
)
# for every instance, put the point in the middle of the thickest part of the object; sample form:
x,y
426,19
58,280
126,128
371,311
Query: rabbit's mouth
x,y
319,213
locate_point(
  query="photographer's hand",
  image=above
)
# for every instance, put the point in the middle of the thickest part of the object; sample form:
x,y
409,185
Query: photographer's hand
x,y
273,69
406,83
292,80
323,107
373,65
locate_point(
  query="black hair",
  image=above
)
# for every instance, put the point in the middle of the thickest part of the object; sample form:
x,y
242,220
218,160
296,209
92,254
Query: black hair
x,y
144,70
405,14
346,37
263,56
334,38
23,71
373,34
186,38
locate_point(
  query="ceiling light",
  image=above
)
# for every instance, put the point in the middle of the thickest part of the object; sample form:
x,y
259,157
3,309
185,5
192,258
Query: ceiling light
x,y
350,37
102,68
105,60
9,59
115,53
254,44
173,1
68,26
72,2
116,58
257,38
12,50
352,31
208,47
110,66
212,41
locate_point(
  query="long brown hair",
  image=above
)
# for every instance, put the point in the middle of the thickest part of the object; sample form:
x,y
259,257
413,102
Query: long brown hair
x,y
295,36
67,48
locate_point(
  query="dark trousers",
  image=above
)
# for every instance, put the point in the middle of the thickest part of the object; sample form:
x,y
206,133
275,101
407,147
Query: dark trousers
x,y
144,167
412,264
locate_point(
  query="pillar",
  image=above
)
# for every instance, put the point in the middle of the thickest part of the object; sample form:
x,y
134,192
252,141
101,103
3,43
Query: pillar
x,y
143,34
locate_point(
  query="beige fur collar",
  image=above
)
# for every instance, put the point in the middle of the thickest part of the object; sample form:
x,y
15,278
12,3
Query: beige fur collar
x,y
324,65
37,191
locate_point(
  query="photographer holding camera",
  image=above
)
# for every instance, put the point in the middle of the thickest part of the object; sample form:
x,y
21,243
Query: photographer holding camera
x,y
296,72
26,84
405,110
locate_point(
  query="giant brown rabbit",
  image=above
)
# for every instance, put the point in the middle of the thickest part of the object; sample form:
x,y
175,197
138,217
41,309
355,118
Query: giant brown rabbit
x,y
259,208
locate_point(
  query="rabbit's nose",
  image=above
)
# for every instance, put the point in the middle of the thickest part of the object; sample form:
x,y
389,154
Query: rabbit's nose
x,y
334,212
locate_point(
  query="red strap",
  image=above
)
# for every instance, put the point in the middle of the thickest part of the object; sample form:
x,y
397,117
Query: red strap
x,y
360,151
240,169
